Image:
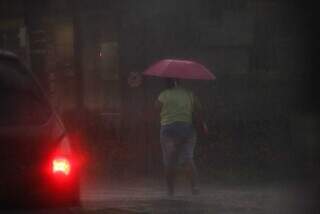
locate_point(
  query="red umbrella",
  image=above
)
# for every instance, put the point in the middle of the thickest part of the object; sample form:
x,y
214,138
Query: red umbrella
x,y
179,69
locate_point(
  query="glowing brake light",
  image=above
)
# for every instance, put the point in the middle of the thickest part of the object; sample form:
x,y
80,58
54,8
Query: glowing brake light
x,y
61,166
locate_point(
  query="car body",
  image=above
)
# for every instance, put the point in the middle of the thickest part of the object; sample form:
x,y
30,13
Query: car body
x,y
37,159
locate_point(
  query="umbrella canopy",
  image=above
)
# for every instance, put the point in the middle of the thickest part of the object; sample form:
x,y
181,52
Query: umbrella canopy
x,y
179,69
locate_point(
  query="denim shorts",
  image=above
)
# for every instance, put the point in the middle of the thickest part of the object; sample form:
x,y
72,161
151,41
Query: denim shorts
x,y
177,142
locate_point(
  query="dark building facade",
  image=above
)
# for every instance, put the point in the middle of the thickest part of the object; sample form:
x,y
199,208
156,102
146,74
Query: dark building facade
x,y
86,52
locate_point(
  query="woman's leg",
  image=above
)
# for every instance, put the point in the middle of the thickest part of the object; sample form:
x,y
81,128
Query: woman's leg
x,y
170,178
192,175
169,160
190,168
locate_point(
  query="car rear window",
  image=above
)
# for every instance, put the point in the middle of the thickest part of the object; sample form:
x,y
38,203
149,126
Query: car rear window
x,y
22,102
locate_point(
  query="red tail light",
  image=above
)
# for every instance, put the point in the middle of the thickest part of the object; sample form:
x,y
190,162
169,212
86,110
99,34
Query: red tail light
x,y
61,165
64,163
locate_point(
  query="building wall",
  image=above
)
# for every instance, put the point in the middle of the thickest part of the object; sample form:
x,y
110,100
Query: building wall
x,y
256,49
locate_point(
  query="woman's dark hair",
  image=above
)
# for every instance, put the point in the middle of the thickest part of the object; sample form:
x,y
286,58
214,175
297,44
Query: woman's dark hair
x,y
171,83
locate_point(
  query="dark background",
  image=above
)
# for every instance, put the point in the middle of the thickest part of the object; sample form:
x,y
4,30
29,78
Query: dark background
x,y
262,110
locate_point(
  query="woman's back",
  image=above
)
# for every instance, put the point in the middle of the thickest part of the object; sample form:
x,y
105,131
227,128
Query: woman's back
x,y
177,105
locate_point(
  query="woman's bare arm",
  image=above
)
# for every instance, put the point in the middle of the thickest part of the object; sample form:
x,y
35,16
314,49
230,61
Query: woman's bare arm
x,y
199,117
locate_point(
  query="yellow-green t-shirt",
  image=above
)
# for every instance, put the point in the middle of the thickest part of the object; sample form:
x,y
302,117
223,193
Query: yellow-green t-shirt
x,y
177,105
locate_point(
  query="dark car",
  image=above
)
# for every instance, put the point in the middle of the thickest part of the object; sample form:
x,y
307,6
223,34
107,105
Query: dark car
x,y
37,160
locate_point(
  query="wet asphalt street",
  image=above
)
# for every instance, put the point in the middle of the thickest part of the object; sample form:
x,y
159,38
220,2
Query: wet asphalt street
x,y
149,197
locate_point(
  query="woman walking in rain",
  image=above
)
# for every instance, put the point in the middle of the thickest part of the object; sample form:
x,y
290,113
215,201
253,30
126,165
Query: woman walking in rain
x,y
179,109
177,135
